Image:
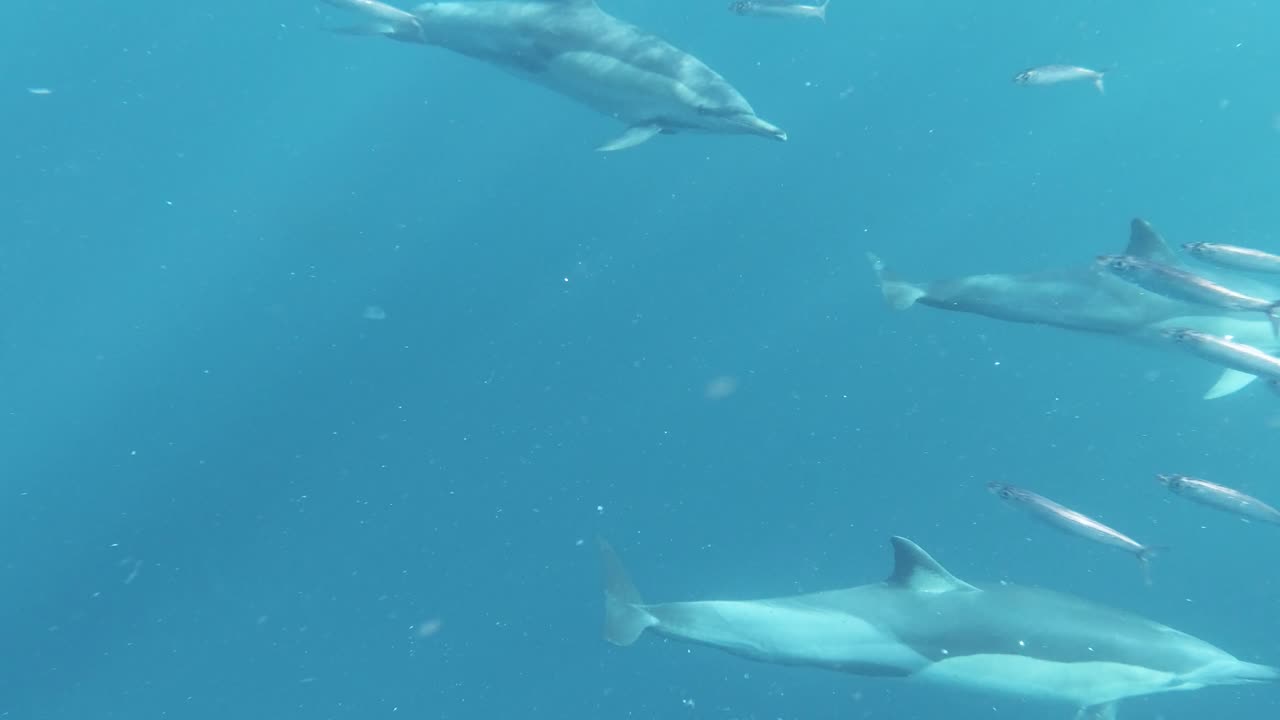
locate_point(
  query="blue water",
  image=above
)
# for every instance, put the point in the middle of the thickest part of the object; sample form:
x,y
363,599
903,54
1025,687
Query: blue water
x,y
230,491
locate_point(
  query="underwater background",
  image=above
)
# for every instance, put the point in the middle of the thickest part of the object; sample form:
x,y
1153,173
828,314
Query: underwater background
x,y
325,359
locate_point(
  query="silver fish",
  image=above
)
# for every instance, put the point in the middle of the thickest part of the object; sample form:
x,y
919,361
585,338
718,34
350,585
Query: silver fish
x,y
1228,353
779,8
1075,523
1235,257
1179,284
1054,74
1220,497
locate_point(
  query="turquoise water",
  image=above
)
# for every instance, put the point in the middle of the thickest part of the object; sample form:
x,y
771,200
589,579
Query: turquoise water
x,y
325,358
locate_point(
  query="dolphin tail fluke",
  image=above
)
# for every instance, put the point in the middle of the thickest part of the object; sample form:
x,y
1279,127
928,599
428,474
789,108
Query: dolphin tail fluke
x,y
900,294
1106,711
625,618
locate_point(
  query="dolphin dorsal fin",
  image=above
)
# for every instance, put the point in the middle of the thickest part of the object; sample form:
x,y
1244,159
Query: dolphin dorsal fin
x,y
913,569
1146,243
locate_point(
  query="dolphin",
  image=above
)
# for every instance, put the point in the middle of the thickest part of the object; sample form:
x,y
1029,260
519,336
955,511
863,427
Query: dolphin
x,y
1087,299
923,623
578,50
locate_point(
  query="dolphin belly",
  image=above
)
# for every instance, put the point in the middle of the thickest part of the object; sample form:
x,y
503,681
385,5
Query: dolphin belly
x,y
787,633
1081,683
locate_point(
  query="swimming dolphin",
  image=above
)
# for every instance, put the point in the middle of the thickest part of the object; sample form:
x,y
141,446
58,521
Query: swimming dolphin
x,y
578,50
924,623
1087,299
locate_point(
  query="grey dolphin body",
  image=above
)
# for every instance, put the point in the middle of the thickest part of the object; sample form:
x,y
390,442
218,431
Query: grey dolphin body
x,y
924,623
1088,300
578,50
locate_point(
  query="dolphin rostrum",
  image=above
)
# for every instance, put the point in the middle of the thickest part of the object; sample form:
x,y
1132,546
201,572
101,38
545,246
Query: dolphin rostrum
x,y
578,50
924,623
1087,299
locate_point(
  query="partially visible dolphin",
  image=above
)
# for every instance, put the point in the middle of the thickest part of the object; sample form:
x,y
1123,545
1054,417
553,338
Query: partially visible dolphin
x,y
1087,299
924,623
578,50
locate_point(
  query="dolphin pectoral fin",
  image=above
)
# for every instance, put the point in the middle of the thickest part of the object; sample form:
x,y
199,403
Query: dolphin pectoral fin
x,y
624,618
1231,381
899,294
631,138
1106,711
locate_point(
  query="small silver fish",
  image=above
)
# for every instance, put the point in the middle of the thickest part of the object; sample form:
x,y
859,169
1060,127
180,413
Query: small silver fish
x,y
779,8
1235,257
1220,497
1228,353
1054,74
1075,523
1178,284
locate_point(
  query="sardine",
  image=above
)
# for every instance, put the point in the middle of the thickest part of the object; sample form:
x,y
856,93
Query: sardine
x,y
779,8
1220,497
1235,257
1075,523
1228,353
1054,74
1179,284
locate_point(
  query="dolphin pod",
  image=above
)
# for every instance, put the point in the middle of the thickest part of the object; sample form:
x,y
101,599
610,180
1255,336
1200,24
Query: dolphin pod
x,y
1087,299
576,49
923,623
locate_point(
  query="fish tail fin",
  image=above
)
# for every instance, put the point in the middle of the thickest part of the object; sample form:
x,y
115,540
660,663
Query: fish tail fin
x,y
1097,82
822,10
625,618
900,294
1144,560
1273,314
